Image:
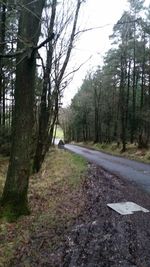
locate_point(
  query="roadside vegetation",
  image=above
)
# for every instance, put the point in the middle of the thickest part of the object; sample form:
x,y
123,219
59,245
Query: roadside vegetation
x,y
132,151
55,201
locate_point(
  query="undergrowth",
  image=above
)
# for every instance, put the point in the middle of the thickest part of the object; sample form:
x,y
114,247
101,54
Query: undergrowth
x,y
55,199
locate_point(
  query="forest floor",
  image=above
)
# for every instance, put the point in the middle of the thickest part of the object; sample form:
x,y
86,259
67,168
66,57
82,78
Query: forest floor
x,y
132,151
70,224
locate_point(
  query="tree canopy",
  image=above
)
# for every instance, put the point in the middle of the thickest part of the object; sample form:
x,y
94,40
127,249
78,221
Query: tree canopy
x,y
113,103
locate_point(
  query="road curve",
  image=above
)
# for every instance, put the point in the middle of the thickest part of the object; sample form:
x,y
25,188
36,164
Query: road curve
x,y
129,169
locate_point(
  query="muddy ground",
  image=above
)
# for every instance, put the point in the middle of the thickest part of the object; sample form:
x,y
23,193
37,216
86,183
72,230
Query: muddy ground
x,y
101,237
98,237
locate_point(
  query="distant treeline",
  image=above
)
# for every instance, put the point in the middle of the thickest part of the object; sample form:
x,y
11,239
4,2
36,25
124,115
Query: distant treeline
x,y
113,103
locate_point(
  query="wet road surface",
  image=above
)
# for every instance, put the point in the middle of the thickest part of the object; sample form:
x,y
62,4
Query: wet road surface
x,y
129,169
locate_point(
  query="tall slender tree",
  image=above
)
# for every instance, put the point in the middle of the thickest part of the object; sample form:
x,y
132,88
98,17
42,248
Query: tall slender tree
x,y
57,62
14,198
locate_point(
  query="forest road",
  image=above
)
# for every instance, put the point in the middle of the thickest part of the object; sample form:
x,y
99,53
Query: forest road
x,y
131,170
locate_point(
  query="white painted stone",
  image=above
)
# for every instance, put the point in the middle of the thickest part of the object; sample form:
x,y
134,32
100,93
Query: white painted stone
x,y
125,208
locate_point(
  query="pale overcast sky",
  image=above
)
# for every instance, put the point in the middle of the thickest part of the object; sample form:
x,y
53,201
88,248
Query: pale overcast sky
x,y
95,43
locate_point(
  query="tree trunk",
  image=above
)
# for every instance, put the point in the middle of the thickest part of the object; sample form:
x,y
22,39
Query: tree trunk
x,y
4,107
14,198
128,93
54,136
141,142
47,112
96,125
133,90
45,109
122,103
2,47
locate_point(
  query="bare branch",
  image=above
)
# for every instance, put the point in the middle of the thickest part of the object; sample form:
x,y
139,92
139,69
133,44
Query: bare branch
x,y
70,43
43,66
33,49
50,38
75,70
103,26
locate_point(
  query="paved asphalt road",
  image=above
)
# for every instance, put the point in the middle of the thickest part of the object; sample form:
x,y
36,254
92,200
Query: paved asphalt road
x,y
132,170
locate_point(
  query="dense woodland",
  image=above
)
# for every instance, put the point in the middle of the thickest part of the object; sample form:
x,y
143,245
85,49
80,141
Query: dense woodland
x,y
113,103
36,40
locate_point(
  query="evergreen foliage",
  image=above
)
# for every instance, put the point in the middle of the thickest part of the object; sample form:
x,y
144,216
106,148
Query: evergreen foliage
x,y
113,103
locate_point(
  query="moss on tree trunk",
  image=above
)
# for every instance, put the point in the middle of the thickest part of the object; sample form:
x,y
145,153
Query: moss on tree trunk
x,y
14,199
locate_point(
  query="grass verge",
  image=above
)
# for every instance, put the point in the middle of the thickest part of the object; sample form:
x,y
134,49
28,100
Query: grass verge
x,y
55,199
